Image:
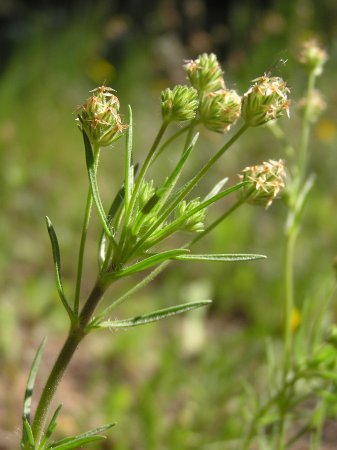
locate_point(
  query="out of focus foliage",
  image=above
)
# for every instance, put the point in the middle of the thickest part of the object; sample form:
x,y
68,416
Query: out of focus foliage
x,y
160,383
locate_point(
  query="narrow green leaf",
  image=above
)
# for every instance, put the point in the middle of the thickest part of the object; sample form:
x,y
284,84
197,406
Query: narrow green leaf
x,y
220,257
57,267
149,262
128,160
31,380
173,178
174,225
28,433
115,205
144,282
216,189
80,439
76,443
90,161
159,198
153,316
52,425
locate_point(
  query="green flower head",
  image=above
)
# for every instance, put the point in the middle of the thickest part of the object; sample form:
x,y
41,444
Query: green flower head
x,y
266,100
99,117
179,104
194,222
263,182
205,74
219,110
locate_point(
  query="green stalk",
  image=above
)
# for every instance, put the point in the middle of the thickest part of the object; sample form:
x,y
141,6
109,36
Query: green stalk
x,y
303,150
188,188
291,238
144,169
169,141
74,338
85,226
154,273
289,298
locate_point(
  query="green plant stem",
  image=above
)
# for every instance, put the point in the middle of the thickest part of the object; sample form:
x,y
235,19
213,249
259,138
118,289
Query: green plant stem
x,y
189,135
74,338
289,298
303,150
85,226
169,141
144,169
154,273
187,189
291,238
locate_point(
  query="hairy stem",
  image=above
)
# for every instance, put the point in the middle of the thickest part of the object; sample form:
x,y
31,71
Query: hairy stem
x,y
85,226
74,338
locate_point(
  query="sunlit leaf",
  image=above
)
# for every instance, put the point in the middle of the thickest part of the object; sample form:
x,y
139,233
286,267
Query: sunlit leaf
x,y
57,266
153,316
220,257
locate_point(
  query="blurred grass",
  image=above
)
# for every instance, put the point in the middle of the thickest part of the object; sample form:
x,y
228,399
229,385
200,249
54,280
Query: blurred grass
x,y
171,385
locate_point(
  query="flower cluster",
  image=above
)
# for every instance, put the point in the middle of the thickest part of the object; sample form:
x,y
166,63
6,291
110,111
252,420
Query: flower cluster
x,y
313,56
266,100
195,222
179,104
99,117
205,73
314,104
263,182
220,109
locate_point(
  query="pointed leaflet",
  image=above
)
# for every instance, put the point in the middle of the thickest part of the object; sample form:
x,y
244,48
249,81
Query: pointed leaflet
x,y
153,316
28,437
173,178
128,161
216,188
80,439
89,156
31,380
220,257
51,427
115,205
146,280
157,201
172,227
146,263
57,266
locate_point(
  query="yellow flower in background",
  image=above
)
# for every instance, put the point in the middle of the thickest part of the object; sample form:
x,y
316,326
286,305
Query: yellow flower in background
x,y
295,319
101,71
326,130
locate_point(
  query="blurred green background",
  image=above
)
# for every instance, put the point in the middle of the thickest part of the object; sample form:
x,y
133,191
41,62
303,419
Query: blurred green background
x,y
176,384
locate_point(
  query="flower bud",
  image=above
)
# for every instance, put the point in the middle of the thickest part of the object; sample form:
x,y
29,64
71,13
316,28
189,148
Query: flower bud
x,y
146,191
265,100
264,182
219,110
196,221
205,73
179,103
314,104
313,56
99,117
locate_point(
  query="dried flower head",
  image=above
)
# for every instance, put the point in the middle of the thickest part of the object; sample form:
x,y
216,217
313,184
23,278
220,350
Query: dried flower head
x,y
179,103
99,117
205,73
266,100
314,104
264,182
313,56
220,109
